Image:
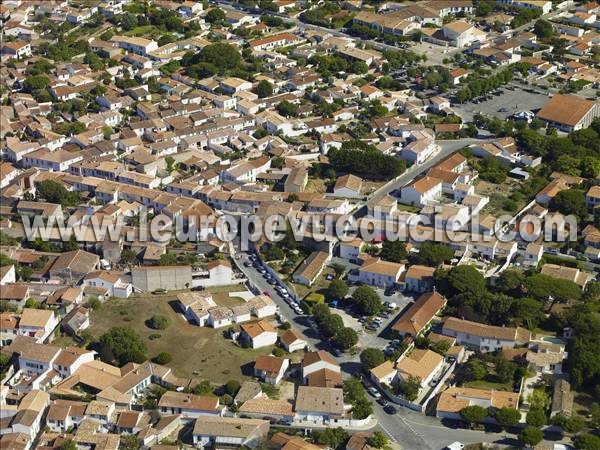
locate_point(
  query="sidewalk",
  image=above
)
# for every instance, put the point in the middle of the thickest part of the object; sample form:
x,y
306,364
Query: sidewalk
x,y
370,424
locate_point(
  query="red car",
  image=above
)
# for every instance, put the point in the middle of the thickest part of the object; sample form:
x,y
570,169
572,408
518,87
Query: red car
x,y
266,293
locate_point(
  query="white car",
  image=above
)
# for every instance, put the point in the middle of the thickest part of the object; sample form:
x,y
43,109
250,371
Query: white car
x,y
456,446
284,294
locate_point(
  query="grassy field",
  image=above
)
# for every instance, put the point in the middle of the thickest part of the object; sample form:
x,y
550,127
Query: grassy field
x,y
196,351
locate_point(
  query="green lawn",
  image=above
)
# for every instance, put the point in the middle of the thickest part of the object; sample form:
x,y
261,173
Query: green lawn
x,y
196,351
139,31
483,384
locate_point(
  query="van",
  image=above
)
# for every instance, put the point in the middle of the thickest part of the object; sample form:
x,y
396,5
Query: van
x,y
104,264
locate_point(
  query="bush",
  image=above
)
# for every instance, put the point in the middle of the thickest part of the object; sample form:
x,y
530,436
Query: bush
x,y
232,387
163,358
314,298
278,352
159,322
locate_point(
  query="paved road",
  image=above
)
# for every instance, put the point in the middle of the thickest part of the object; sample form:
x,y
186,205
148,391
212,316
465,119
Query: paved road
x,y
447,149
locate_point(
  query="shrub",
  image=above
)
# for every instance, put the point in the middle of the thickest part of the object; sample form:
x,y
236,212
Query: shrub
x,y
278,352
314,298
159,322
163,358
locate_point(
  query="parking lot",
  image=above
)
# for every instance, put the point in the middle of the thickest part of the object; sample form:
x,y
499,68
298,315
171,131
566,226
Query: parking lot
x,y
504,105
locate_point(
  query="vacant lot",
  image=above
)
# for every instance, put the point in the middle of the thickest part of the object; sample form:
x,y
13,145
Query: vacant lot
x,y
199,351
499,196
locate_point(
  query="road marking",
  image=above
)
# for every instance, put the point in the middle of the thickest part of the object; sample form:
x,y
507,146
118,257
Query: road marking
x,y
390,435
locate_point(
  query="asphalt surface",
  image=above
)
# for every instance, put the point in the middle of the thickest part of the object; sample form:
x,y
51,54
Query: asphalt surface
x,y
510,102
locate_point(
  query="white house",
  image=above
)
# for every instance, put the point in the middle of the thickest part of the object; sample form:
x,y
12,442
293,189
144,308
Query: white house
x,y
259,334
232,432
350,250
422,191
291,341
315,361
270,369
419,278
188,405
377,272
220,273
418,151
112,281
38,323
462,34
485,338
348,186
425,365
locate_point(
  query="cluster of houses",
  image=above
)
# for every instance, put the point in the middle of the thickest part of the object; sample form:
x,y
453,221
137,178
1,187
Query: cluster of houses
x,y
432,371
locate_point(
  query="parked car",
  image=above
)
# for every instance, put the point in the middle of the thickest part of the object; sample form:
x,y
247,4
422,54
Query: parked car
x,y
390,409
248,264
374,392
382,401
329,277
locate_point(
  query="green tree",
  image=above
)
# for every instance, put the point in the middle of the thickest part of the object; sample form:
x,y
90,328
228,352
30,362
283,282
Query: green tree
x,y
215,15
573,424
337,289
507,417
531,436
346,338
570,201
542,286
587,441
125,345
543,29
368,300
331,325
538,399
431,254
203,388
473,414
35,83
68,444
365,160
370,358
378,440
359,67
536,417
129,21
287,109
128,256
264,89
232,387
54,192
221,55
477,369
466,280
394,251
163,358
409,388
331,437
274,253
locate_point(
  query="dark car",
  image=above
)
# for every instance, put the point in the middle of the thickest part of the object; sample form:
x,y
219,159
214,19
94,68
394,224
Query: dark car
x,y
382,401
390,409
